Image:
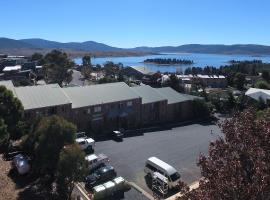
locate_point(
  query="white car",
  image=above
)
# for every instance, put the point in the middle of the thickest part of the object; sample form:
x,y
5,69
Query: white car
x,y
21,164
94,161
85,143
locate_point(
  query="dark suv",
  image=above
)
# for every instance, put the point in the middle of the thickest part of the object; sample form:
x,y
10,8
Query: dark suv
x,y
118,135
100,176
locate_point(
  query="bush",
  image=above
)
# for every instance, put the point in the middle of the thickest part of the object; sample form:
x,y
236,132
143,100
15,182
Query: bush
x,y
201,109
261,84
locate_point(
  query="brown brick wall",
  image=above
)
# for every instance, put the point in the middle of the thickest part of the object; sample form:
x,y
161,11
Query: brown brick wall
x,y
153,113
110,117
61,110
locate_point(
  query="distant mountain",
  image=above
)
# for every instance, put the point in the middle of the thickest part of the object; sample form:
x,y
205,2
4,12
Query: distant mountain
x,y
6,43
250,49
91,46
85,46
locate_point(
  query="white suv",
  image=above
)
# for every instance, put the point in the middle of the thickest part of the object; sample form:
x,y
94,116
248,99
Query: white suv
x,y
85,143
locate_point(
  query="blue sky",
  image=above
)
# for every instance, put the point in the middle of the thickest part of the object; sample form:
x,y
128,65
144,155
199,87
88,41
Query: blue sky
x,y
130,23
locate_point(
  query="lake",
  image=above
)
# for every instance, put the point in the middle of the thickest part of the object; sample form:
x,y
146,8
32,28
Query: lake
x,y
200,60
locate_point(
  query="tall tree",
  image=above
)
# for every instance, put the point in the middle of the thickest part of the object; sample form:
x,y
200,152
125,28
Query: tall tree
x,y
58,67
239,81
201,109
50,136
87,66
36,57
4,135
72,168
238,164
86,60
266,75
11,111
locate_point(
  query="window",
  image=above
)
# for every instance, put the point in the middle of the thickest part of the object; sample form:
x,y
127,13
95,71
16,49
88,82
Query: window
x,y
175,176
88,111
129,103
151,167
97,109
52,110
121,105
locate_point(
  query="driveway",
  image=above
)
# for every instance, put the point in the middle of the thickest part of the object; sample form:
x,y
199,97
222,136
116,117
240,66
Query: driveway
x,y
77,78
180,147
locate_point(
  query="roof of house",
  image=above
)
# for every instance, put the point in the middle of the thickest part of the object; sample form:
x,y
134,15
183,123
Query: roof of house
x,y
212,76
256,93
12,68
8,84
148,94
143,70
174,96
41,96
99,94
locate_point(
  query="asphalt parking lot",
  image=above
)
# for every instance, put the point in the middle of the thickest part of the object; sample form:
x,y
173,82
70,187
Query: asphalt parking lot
x,y
180,147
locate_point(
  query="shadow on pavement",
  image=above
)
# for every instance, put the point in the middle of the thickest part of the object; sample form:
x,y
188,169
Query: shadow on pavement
x,y
156,128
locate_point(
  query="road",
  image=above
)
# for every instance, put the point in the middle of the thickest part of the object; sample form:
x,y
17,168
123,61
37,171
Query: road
x,y
77,78
179,147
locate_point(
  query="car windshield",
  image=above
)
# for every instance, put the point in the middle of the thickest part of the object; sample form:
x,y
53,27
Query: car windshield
x,y
175,176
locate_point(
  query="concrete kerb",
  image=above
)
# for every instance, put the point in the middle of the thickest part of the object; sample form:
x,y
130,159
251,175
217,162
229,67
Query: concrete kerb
x,y
192,186
139,189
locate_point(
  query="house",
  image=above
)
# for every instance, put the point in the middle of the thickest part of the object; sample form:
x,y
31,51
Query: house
x,y
179,106
258,94
104,107
43,100
154,105
141,73
9,85
138,72
213,81
11,69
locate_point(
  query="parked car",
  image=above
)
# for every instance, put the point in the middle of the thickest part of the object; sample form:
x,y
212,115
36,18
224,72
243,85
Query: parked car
x,y
102,175
94,161
154,164
86,143
81,135
11,155
21,164
118,135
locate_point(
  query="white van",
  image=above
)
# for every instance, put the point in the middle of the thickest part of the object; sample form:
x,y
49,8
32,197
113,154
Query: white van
x,y
154,164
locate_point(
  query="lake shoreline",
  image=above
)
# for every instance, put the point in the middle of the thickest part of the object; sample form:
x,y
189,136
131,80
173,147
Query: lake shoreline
x,y
171,64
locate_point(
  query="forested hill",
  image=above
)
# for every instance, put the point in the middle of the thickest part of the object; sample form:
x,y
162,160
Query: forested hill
x,y
7,44
249,49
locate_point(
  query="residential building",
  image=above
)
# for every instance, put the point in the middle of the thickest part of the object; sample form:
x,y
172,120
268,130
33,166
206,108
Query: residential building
x,y
179,106
143,74
258,94
104,107
44,100
213,81
154,105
